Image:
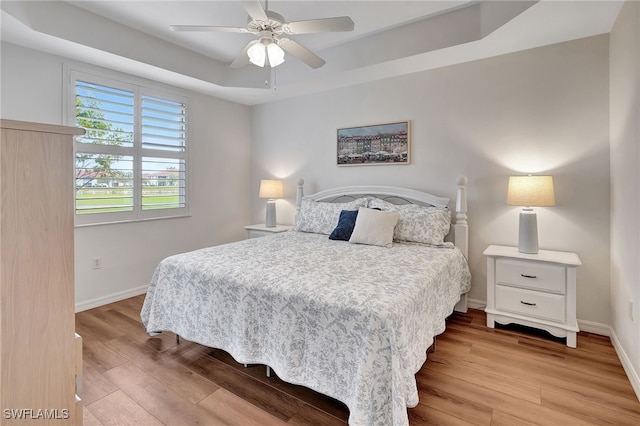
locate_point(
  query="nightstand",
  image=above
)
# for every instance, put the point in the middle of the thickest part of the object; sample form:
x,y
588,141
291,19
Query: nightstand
x,y
535,290
256,231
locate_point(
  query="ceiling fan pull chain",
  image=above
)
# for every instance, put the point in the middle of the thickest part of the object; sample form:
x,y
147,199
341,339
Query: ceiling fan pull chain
x,y
271,72
275,79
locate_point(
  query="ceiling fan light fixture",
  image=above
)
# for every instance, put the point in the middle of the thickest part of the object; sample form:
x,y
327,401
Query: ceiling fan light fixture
x,y
263,50
275,54
257,54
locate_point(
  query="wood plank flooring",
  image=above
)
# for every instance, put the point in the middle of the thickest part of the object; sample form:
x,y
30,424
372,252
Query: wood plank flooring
x,y
477,376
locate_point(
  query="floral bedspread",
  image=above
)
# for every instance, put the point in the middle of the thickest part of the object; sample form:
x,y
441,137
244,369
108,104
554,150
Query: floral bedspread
x,y
350,321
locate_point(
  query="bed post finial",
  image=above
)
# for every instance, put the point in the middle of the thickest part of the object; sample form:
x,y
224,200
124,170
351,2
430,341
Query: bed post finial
x,y
461,227
299,193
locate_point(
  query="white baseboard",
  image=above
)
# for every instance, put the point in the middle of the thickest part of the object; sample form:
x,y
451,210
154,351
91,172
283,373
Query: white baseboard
x,y
594,328
110,298
632,374
477,304
587,326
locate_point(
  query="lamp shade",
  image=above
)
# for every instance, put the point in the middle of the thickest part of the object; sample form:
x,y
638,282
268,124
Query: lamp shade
x,y
270,188
531,191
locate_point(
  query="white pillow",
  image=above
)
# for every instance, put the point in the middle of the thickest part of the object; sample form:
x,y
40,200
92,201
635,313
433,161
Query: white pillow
x,y
418,224
374,227
320,217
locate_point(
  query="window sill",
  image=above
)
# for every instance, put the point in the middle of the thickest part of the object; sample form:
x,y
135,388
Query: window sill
x,y
118,222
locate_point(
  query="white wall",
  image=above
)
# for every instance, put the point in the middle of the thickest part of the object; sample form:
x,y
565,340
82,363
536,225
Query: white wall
x,y
219,176
625,187
541,111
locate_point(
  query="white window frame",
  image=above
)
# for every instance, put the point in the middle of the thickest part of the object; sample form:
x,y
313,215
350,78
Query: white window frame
x,y
72,74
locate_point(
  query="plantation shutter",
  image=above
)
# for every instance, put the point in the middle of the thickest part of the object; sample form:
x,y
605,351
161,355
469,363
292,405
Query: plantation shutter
x,y
104,157
164,159
163,124
131,164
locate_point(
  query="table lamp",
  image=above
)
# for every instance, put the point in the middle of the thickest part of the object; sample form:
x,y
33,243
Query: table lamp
x,y
271,189
530,191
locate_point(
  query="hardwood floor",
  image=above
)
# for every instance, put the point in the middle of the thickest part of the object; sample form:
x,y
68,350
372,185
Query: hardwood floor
x,y
477,376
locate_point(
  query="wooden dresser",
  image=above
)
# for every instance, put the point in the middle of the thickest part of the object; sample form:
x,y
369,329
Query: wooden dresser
x,y
40,354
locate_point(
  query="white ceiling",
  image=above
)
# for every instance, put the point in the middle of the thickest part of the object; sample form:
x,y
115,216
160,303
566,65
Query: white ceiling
x,y
391,38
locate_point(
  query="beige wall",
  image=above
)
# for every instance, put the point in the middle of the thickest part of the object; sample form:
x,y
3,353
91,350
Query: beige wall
x,y
625,187
543,110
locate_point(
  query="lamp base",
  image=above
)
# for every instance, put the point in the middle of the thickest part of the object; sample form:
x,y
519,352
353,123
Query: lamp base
x,y
270,220
528,233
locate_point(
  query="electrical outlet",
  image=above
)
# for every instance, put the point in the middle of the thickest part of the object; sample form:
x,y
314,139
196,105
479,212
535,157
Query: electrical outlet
x,y
631,309
97,262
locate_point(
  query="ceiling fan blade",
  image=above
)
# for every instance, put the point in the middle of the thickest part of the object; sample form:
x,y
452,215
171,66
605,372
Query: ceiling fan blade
x,y
255,10
340,23
301,52
208,28
243,58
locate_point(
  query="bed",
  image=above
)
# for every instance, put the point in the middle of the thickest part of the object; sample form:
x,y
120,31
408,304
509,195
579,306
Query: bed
x,y
350,318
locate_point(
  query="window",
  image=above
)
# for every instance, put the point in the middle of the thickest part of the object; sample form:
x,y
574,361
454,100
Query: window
x,y
131,164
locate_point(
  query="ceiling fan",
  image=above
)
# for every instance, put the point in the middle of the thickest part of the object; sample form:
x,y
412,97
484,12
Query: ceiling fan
x,y
272,29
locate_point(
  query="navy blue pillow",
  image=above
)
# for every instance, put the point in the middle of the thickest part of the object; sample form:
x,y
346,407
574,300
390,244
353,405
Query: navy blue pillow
x,y
346,223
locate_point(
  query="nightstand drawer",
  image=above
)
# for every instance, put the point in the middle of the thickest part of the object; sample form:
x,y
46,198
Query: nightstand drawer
x,y
530,303
532,275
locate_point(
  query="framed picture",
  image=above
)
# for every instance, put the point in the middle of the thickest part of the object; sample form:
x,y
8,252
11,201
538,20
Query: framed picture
x,y
377,144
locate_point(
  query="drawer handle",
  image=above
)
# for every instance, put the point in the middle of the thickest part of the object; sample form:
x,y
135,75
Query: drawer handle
x,y
528,276
527,303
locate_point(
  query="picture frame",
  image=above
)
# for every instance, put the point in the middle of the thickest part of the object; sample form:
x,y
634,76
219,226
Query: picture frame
x,y
375,144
